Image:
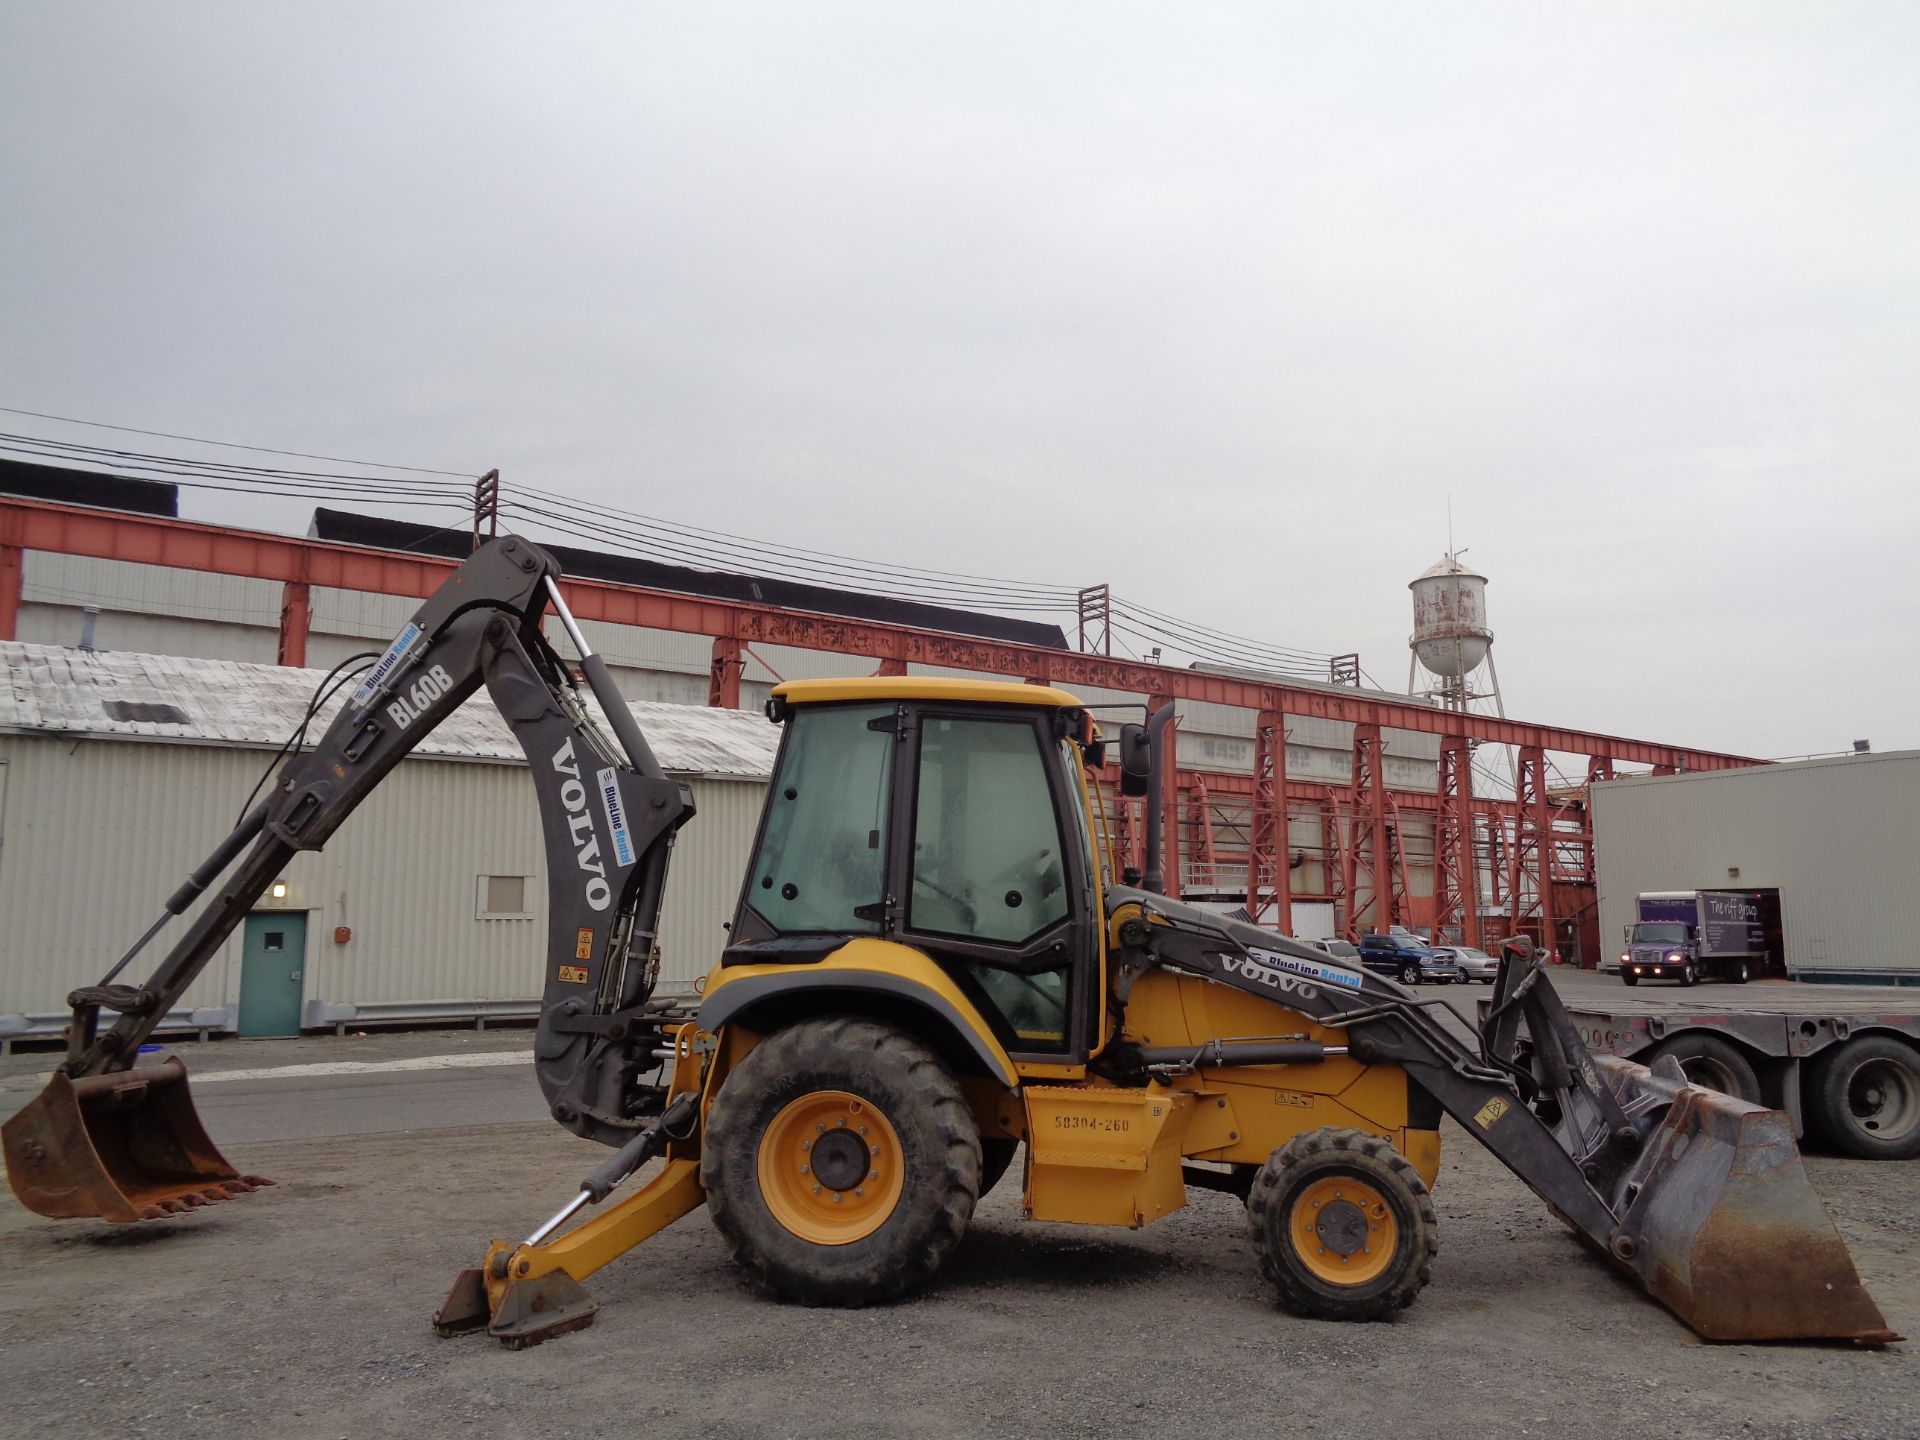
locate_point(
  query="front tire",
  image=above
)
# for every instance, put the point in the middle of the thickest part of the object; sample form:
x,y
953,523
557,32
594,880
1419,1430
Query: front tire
x,y
1343,1225
1626,979
841,1162
1688,975
1409,975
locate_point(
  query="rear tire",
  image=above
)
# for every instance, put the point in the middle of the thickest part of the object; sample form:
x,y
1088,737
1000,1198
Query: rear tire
x,y
1713,1064
1737,973
772,1181
1343,1226
1864,1097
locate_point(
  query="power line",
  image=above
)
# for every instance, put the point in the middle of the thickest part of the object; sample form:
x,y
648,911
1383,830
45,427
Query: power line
x,y
229,444
1066,594
653,537
105,454
1220,647
903,585
1142,610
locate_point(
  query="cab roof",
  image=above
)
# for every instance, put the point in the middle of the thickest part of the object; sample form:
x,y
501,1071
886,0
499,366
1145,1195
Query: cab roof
x,y
922,687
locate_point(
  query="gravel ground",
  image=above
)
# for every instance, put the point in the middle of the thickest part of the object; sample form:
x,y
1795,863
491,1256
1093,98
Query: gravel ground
x,y
303,1312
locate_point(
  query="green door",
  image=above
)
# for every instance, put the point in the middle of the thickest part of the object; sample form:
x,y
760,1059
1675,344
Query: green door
x,y
273,959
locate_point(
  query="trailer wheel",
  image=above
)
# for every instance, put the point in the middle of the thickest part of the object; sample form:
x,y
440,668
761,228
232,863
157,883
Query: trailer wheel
x,y
1713,1064
841,1162
1864,1096
1343,1226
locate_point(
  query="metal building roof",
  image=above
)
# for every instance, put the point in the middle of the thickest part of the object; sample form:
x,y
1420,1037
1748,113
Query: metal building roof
x,y
123,695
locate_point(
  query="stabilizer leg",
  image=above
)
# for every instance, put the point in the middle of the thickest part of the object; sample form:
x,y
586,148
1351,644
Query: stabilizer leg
x,y
527,1293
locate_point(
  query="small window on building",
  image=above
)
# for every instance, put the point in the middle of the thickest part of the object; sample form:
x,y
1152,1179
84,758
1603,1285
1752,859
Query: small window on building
x,y
504,897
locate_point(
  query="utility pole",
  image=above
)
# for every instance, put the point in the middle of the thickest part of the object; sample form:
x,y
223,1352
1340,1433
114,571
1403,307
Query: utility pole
x,y
486,508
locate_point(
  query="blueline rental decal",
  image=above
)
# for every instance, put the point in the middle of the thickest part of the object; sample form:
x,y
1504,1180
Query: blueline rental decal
x,y
385,665
616,816
1326,974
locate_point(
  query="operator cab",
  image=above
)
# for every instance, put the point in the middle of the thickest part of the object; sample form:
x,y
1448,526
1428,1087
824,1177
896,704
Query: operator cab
x,y
947,815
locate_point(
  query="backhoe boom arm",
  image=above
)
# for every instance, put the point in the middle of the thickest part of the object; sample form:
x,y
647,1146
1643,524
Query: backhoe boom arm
x,y
607,810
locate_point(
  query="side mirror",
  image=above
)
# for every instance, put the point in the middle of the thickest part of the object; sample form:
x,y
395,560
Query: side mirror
x,y
1136,760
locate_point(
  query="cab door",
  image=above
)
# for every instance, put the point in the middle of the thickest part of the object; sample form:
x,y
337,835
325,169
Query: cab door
x,y
992,881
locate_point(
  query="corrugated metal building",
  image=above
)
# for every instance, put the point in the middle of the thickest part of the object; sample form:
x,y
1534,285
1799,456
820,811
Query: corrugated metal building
x,y
1835,843
119,771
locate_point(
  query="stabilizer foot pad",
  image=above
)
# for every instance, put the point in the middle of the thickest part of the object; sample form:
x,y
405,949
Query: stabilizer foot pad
x,y
539,1309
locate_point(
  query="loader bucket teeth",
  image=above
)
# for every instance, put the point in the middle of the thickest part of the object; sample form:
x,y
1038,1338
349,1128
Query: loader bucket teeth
x,y
1722,1226
121,1147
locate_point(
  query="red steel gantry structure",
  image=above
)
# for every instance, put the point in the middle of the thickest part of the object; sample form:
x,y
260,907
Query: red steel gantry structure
x,y
1524,864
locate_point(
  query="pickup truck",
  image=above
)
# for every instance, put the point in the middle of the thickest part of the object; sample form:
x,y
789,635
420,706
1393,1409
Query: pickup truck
x,y
1407,960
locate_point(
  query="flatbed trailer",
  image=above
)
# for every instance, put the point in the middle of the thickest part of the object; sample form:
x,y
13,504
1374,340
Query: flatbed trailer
x,y
1843,1063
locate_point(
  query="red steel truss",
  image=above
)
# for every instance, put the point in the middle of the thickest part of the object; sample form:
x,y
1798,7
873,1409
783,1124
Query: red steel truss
x,y
1364,848
1367,872
1203,865
1456,901
1530,858
1269,857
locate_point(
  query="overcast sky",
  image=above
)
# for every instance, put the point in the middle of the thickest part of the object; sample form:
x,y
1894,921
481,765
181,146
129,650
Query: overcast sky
x,y
1218,304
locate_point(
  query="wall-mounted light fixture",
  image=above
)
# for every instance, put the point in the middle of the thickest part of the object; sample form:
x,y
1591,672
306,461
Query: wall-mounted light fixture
x,y
279,889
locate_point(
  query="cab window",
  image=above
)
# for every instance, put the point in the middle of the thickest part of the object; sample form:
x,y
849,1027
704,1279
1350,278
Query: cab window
x,y
988,860
822,860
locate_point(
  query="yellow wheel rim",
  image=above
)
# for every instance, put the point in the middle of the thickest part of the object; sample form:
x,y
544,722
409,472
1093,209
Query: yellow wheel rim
x,y
1343,1230
831,1167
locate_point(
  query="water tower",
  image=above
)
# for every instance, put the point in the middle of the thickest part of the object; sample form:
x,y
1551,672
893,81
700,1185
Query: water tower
x,y
1451,641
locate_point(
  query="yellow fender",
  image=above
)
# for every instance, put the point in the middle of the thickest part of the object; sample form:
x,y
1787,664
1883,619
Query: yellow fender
x,y
863,967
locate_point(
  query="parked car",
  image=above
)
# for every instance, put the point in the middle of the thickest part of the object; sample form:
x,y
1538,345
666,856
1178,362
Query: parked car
x,y
1474,964
1342,950
1407,960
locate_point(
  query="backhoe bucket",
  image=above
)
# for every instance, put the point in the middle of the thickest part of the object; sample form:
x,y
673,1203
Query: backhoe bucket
x,y
1722,1226
121,1147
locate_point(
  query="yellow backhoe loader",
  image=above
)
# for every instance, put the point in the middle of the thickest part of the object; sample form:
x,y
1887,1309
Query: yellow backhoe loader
x,y
931,965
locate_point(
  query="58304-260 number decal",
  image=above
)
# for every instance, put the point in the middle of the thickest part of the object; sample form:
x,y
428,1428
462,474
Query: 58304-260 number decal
x,y
1108,1124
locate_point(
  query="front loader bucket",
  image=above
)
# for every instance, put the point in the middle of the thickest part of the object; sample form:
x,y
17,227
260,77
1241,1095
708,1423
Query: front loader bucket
x,y
121,1147
1721,1225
